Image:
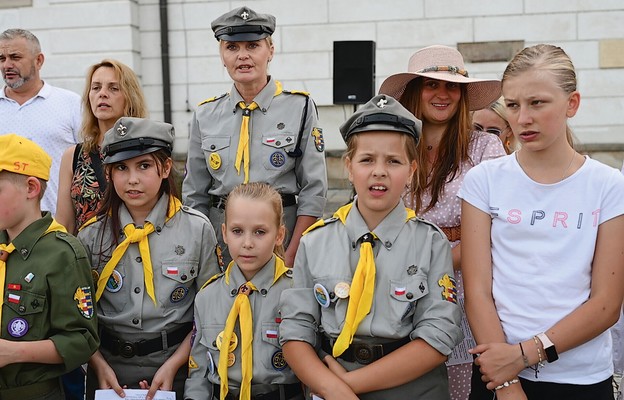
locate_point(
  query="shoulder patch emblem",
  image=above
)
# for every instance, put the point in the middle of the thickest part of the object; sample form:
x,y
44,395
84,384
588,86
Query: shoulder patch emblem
x,y
319,142
449,288
84,301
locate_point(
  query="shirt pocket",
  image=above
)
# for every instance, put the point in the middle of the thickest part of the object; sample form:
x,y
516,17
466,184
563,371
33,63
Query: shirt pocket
x,y
274,151
209,340
333,316
217,153
404,295
25,317
179,280
271,352
116,292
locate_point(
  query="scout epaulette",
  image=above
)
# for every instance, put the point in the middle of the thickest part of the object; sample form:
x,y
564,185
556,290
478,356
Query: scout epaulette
x,y
319,223
431,224
90,221
210,100
301,92
212,279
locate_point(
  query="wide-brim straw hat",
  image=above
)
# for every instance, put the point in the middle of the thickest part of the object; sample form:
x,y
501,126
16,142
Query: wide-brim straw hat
x,y
446,64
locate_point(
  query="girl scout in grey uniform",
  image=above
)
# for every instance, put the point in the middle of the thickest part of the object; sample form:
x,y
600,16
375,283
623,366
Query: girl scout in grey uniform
x,y
150,256
252,365
258,132
380,296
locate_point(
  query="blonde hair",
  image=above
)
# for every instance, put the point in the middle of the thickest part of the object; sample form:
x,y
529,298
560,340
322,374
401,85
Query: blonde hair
x,y
546,57
260,191
498,107
135,104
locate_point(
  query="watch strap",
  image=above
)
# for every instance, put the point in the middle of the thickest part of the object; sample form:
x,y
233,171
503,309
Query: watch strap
x,y
549,347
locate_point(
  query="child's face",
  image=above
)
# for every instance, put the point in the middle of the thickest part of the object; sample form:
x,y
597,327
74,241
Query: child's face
x,y
439,100
13,205
538,109
251,233
379,170
137,182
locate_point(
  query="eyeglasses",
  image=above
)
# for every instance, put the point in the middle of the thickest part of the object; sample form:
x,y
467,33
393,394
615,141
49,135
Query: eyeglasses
x,y
494,131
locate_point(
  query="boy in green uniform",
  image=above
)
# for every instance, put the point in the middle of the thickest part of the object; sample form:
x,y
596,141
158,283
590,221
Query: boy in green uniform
x,y
47,321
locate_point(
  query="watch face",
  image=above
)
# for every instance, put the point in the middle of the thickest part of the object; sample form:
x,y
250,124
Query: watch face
x,y
551,354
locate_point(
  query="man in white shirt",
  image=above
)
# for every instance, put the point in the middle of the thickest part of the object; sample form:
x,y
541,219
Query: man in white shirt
x,y
47,115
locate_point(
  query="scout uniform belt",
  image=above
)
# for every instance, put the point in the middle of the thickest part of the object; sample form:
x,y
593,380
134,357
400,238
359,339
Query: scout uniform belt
x,y
219,201
127,349
364,353
283,393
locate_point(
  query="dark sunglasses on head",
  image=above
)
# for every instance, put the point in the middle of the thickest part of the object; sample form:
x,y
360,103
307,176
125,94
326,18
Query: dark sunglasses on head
x,y
494,131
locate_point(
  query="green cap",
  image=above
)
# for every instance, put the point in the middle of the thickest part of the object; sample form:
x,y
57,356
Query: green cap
x,y
243,25
382,113
132,137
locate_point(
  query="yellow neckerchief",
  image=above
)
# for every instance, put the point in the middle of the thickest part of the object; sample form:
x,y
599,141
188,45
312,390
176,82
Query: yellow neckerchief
x,y
241,309
242,152
9,248
362,286
136,235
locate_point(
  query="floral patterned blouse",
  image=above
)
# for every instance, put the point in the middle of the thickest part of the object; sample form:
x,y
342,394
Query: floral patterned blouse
x,y
86,192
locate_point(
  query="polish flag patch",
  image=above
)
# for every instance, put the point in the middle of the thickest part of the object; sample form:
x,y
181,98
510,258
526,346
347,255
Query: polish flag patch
x,y
13,298
399,291
172,270
270,140
271,334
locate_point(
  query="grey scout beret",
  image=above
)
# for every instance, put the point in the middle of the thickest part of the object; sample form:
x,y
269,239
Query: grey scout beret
x,y
132,137
243,25
382,113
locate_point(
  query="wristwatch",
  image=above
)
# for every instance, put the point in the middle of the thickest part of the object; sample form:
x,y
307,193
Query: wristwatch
x,y
549,347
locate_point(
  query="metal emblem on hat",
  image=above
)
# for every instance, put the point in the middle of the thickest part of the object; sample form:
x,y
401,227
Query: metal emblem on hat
x,y
245,15
122,130
321,295
115,282
18,327
278,362
382,102
178,294
277,159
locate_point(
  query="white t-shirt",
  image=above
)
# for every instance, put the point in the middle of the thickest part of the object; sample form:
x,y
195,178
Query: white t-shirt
x,y
52,120
543,242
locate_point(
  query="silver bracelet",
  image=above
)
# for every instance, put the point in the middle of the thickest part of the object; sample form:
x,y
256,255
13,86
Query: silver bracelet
x,y
507,384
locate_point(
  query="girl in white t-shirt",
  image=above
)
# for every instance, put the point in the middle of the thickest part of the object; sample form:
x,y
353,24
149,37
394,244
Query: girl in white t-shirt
x,y
542,251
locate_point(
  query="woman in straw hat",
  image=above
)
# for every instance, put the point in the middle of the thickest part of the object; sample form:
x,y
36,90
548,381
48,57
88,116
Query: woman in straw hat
x,y
438,90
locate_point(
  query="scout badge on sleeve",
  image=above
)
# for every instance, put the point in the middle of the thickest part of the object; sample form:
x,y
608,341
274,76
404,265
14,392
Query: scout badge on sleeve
x,y
84,301
278,362
449,289
277,159
18,327
319,142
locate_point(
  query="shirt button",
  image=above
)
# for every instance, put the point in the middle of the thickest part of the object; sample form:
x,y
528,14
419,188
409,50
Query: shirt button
x,y
212,147
24,252
22,308
137,290
233,292
158,229
409,295
138,259
184,277
135,321
263,292
388,244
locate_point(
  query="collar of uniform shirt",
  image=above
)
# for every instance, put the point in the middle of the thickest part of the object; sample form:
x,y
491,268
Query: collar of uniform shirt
x,y
262,99
387,231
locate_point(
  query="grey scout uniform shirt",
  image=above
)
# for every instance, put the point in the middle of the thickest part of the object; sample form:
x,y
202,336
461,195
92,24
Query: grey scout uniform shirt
x,y
186,242
273,130
59,266
212,307
410,258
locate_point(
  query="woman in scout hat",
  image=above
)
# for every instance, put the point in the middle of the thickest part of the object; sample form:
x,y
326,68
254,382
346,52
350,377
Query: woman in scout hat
x,y
149,256
259,132
438,90
381,293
